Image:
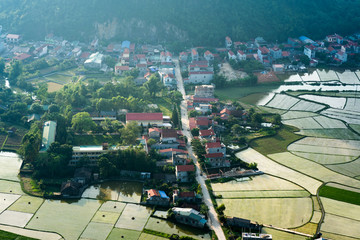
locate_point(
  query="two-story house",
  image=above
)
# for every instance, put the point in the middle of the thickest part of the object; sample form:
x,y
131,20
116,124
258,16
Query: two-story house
x,y
208,56
189,216
241,56
184,172
158,198
309,51
276,53
194,55
228,42
215,147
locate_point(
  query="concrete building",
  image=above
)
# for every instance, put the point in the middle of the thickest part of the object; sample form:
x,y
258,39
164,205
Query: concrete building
x,y
13,38
145,118
204,91
189,216
94,61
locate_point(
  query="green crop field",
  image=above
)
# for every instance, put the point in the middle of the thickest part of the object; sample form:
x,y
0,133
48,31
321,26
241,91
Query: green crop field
x,y
277,143
316,217
164,226
276,234
235,93
118,233
69,220
339,208
27,204
351,169
280,212
97,231
313,169
296,114
340,194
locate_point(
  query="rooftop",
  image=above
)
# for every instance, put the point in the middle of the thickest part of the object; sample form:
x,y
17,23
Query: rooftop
x,y
144,116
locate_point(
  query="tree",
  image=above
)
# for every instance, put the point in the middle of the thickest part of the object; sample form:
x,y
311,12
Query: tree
x,y
130,133
276,119
15,70
305,60
236,128
153,85
195,132
256,119
53,108
2,66
175,116
36,108
82,122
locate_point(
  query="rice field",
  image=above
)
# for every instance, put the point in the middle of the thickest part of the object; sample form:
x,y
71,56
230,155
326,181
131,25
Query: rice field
x,y
106,217
146,236
59,78
310,77
348,77
336,185
307,106
327,75
277,234
53,87
303,123
164,226
69,220
118,233
27,204
341,226
313,169
96,231
341,208
263,194
351,169
270,167
10,187
18,219
334,102
316,217
341,133
134,217
347,116
280,212
296,114
293,78
353,104
282,101
258,183
10,164
336,236
326,122
6,200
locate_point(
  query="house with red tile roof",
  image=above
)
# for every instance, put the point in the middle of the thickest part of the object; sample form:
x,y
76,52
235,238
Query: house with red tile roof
x,y
208,56
154,132
228,42
119,69
183,172
169,152
145,119
208,135
194,55
215,147
13,38
241,56
231,55
217,160
183,57
263,54
189,197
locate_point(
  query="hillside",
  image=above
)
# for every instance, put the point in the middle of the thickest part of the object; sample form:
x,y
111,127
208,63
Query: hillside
x,y
196,22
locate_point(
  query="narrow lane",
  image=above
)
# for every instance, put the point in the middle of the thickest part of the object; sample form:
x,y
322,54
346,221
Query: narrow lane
x,y
213,219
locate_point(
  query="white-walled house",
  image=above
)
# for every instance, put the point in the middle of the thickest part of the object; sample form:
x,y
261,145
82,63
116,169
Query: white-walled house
x,y
309,51
276,53
231,55
228,42
208,56
342,56
241,56
194,55
201,77
215,147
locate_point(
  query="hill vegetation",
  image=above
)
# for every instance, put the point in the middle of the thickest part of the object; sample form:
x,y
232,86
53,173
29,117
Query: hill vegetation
x,y
204,22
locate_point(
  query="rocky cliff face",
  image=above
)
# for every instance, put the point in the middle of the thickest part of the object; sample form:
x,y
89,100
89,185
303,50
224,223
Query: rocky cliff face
x,y
136,29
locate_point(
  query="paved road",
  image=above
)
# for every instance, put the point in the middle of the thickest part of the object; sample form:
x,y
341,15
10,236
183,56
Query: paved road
x,y
213,220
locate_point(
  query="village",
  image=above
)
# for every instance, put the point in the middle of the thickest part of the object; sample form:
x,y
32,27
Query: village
x,y
194,137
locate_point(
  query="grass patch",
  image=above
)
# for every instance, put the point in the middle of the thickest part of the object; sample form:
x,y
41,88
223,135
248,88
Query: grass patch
x,y
156,233
236,93
31,187
146,236
164,104
309,228
53,87
253,98
277,143
96,140
340,195
13,236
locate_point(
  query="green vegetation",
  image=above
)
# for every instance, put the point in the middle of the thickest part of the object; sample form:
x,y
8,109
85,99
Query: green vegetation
x,y
235,93
277,143
11,236
340,194
239,19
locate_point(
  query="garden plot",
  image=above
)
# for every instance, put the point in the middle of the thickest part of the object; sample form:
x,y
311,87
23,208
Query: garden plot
x,y
347,116
282,101
334,102
118,233
353,104
6,200
296,114
263,194
27,204
341,208
269,166
12,218
134,217
277,234
10,187
67,219
307,106
351,169
258,183
341,226
326,76
280,212
342,133
348,77
294,78
310,77
303,123
10,164
313,169
96,231
164,226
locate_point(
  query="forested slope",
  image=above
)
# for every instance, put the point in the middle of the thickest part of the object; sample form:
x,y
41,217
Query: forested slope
x,y
197,22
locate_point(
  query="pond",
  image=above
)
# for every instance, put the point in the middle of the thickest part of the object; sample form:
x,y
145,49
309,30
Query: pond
x,y
125,191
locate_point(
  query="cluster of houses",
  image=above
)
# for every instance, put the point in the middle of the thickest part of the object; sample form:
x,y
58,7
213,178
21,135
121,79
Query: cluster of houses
x,y
335,47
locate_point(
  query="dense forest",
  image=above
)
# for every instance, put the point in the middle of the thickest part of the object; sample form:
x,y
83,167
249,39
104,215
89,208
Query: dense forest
x,y
195,22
